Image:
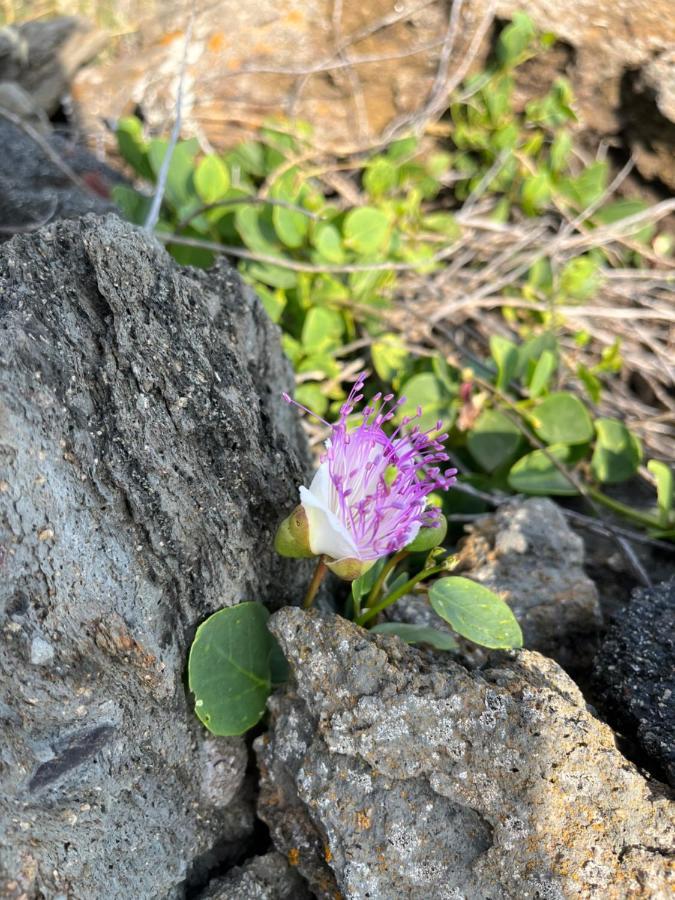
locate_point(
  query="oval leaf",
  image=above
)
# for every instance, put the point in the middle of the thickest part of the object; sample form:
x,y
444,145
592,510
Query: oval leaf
x,y
617,452
536,474
418,634
562,419
476,613
229,668
493,440
212,179
366,230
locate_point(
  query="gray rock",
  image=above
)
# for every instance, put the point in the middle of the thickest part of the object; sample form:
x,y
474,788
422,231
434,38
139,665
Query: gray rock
x,y
268,877
634,674
529,555
41,652
34,190
145,459
391,773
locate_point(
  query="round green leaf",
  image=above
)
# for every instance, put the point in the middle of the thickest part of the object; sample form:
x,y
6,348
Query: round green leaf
x,y
617,452
366,230
427,392
476,613
562,419
229,668
212,179
322,329
493,440
328,242
389,355
418,634
536,474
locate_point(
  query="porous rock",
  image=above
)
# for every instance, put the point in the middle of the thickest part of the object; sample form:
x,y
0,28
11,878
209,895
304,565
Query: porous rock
x,y
268,877
528,554
145,459
390,773
634,674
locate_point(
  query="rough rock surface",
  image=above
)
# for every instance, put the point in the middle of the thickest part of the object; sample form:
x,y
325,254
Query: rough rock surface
x,y
145,459
390,773
34,190
268,877
634,674
529,555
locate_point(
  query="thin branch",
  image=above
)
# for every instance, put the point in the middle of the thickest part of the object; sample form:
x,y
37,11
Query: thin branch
x,y
155,206
246,201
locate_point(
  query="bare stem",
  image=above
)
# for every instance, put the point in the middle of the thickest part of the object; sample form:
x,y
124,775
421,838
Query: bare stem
x,y
381,578
317,578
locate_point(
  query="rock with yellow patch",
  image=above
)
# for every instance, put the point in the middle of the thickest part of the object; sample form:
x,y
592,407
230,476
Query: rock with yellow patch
x,y
498,783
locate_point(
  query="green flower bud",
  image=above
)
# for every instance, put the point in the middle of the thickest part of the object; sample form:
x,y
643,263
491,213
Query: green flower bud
x,y
428,538
292,537
350,569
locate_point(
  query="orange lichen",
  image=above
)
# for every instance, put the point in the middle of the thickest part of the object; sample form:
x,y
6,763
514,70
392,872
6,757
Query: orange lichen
x,y
293,856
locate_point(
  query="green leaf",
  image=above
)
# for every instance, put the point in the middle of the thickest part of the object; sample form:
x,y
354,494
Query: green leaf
x,y
535,193
212,179
249,157
587,187
591,382
562,419
311,396
403,148
560,150
663,475
476,613
535,474
390,356
291,226
622,209
514,40
255,228
132,205
425,391
531,350
322,330
380,177
274,276
132,147
328,242
366,230
442,223
229,668
505,355
363,585
617,453
418,634
179,180
493,440
580,278
273,301
542,374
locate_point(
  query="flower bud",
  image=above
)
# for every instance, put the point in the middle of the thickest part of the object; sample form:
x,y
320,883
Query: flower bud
x,y
350,569
428,538
292,537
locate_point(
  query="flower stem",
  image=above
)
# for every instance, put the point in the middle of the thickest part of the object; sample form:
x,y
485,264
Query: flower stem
x,y
381,578
399,592
317,578
621,509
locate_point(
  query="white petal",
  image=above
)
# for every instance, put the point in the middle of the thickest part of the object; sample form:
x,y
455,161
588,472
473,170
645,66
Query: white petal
x,y
327,534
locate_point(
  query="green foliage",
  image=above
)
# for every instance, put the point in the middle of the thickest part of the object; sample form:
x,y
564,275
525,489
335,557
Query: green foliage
x,y
230,669
268,197
476,613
